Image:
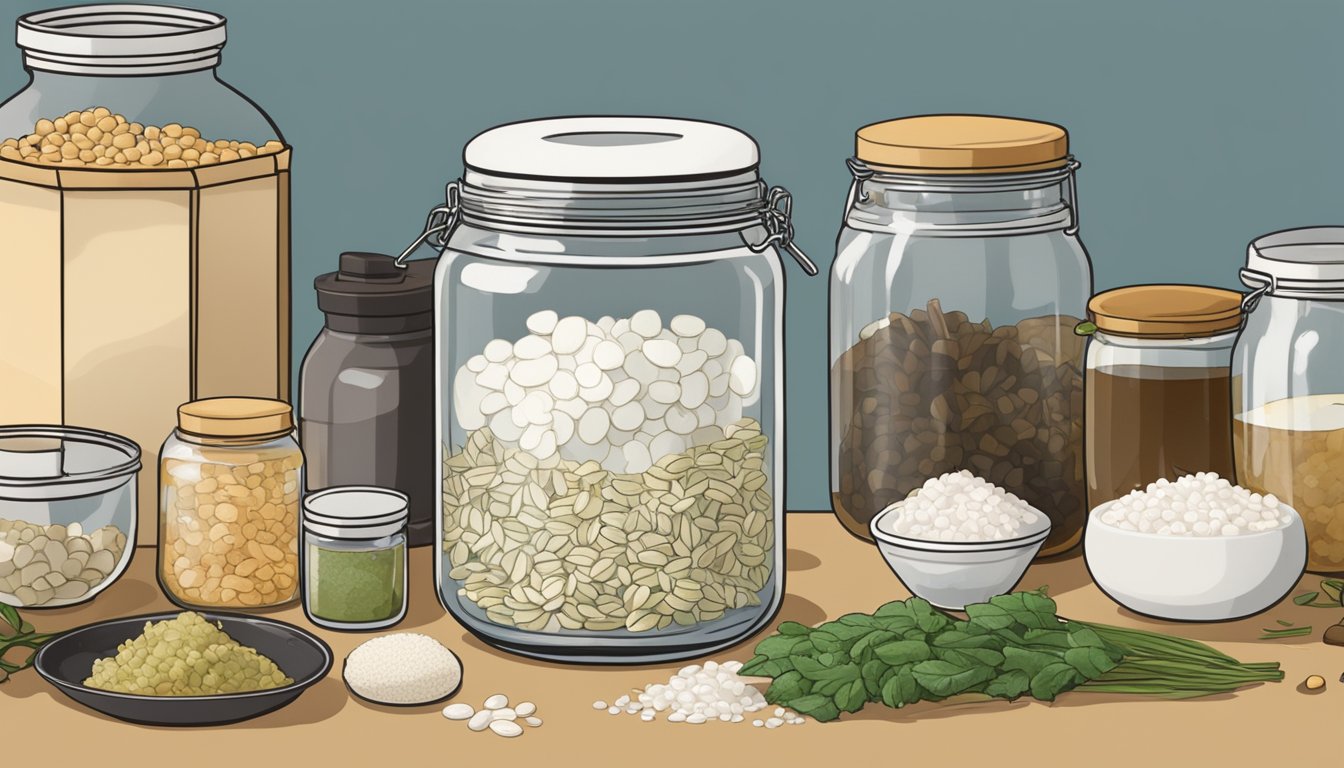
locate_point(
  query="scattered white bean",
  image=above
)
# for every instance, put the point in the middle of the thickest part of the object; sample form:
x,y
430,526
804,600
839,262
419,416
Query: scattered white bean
x,y
458,711
506,728
498,701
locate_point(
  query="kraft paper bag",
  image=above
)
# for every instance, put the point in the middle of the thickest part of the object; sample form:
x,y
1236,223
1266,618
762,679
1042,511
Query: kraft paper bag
x,y
129,292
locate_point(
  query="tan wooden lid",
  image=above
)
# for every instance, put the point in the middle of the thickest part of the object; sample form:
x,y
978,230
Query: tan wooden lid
x,y
1166,311
236,417
952,144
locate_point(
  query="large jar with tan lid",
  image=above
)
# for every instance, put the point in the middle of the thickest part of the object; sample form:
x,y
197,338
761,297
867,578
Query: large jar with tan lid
x,y
1159,397
957,283
145,209
229,482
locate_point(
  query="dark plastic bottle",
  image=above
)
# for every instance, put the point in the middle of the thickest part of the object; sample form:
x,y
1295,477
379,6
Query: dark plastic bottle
x,y
366,408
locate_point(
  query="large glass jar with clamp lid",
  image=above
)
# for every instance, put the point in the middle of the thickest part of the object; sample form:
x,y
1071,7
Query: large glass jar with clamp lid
x,y
610,380
1288,383
957,284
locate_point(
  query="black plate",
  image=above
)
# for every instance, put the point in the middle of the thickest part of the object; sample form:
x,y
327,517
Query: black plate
x,y
67,661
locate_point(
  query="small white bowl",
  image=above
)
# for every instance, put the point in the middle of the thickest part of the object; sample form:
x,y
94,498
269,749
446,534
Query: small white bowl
x,y
1189,578
953,574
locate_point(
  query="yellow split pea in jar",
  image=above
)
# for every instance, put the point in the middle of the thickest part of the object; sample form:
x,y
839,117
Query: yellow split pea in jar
x,y
229,484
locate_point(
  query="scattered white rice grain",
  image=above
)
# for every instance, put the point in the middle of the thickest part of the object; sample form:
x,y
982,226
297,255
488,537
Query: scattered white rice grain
x,y
697,694
525,709
774,722
958,506
506,713
1199,505
758,723
506,728
535,722
497,701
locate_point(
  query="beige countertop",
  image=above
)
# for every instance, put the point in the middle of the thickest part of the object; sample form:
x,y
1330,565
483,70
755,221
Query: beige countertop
x,y
830,573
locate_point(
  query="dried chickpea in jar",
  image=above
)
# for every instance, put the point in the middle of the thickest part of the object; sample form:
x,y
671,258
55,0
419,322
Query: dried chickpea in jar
x,y
229,482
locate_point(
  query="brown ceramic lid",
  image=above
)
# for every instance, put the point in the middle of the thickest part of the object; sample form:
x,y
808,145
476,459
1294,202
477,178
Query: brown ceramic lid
x,y
962,144
1166,311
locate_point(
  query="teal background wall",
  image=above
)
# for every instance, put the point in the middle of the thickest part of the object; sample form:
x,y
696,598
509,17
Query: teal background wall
x,y
1200,124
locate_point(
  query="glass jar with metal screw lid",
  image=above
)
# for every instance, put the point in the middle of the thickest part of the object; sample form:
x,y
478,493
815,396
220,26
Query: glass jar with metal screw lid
x,y
354,557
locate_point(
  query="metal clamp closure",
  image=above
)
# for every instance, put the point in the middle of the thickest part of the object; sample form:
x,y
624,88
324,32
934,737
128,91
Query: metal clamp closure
x,y
1267,284
777,217
439,224
1072,194
861,173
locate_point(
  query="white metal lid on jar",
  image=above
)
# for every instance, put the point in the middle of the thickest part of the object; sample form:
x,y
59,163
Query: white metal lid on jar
x,y
1297,263
613,150
355,512
121,38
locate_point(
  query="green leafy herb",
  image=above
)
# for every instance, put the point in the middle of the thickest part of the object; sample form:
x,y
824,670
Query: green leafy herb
x,y
1283,623
1306,598
17,635
1014,645
1275,634
1334,590
1085,328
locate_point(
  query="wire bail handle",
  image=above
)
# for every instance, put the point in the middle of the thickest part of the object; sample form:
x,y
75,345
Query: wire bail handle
x,y
439,224
1267,284
777,216
1072,194
861,173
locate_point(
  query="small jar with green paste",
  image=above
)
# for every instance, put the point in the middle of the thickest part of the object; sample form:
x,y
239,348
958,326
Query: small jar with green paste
x,y
354,557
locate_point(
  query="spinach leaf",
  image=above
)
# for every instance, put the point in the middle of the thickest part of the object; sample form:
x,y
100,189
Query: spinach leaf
x,y
816,706
851,697
787,687
969,657
1091,663
864,648
763,667
1009,685
898,652
1028,661
901,688
943,678
1053,680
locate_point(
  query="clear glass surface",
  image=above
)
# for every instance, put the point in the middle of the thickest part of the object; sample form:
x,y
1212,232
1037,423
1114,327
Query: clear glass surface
x,y
229,521
952,307
658,536
1156,408
1288,392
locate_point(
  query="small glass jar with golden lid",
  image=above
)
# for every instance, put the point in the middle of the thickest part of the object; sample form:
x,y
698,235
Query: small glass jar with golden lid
x,y
1158,392
230,478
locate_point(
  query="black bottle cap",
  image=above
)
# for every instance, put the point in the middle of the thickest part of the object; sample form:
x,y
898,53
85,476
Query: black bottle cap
x,y
371,293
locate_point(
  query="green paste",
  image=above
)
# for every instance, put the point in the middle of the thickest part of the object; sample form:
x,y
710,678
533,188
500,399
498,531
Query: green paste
x,y
355,586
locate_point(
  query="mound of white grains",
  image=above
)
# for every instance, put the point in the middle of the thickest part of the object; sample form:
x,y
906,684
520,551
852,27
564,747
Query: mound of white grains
x,y
403,668
959,506
496,715
1202,504
699,694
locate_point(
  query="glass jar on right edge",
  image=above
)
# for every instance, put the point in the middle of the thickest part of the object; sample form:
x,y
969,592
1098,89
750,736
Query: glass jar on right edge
x,y
957,283
1288,383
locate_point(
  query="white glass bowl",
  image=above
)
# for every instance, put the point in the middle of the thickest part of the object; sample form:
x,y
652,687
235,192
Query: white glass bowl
x,y
1189,578
953,574
67,513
